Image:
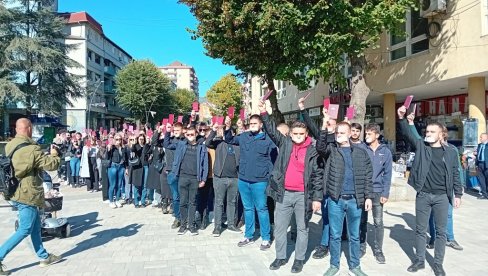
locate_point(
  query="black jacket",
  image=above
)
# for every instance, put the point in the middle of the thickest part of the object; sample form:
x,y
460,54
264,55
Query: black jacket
x,y
220,147
314,168
313,129
421,163
335,169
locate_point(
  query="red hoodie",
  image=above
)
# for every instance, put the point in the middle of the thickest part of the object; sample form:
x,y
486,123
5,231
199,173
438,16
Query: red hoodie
x,y
294,180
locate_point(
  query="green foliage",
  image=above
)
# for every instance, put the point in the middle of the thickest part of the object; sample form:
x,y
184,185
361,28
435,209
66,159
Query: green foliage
x,y
299,40
33,57
141,87
279,39
225,93
182,100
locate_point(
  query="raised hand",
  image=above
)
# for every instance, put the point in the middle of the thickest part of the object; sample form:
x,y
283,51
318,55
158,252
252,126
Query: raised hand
x,y
401,112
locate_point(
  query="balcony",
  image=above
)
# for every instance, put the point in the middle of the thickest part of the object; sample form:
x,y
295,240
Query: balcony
x,y
108,88
109,70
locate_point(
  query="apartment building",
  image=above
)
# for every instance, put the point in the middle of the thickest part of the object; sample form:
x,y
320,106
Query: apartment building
x,y
183,75
442,62
100,59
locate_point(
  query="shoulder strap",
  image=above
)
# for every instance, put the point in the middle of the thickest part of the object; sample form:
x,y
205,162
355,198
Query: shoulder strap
x,y
19,146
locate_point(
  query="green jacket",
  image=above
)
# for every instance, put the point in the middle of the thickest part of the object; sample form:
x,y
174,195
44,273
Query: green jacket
x,y
28,163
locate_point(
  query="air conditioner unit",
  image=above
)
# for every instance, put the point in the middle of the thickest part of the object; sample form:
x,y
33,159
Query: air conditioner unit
x,y
430,8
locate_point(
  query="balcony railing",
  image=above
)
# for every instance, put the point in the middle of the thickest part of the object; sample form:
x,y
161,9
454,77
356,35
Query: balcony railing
x,y
109,70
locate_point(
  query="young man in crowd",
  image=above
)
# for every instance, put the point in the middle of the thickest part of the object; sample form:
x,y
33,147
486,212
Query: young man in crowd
x,y
435,177
225,172
382,160
450,240
322,250
297,181
174,135
190,165
348,182
255,166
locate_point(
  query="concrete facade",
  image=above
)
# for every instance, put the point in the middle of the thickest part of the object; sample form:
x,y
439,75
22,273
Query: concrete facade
x,y
183,75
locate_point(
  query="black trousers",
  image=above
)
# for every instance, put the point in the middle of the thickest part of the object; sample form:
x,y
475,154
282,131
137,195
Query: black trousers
x,y
424,205
483,177
92,181
188,188
205,199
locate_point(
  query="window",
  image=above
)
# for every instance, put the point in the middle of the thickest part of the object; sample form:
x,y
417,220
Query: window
x,y
413,40
89,55
484,17
98,59
89,75
281,89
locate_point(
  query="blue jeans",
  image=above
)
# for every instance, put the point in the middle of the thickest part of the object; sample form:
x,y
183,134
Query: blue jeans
x,y
325,223
173,185
337,210
74,164
116,181
449,228
29,224
129,189
253,197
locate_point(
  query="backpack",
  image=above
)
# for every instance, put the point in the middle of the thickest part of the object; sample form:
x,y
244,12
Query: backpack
x,y
8,181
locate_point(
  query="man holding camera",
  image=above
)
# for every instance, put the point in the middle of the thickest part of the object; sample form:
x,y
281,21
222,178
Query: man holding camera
x,y
28,161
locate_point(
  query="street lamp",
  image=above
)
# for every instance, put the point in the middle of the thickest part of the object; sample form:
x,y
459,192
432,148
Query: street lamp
x,y
91,100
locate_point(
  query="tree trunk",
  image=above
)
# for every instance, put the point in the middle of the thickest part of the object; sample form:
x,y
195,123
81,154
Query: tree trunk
x,y
359,89
276,115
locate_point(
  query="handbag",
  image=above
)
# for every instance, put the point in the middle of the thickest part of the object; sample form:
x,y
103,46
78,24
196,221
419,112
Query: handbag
x,y
135,161
105,162
159,166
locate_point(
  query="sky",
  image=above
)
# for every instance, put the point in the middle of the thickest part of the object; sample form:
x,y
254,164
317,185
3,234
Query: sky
x,y
155,30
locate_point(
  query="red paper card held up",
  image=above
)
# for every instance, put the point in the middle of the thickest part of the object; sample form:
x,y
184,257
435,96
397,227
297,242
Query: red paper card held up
x,y
231,111
131,128
214,119
266,96
326,103
165,122
350,112
171,118
220,120
242,114
195,106
408,101
112,130
180,119
333,111
124,126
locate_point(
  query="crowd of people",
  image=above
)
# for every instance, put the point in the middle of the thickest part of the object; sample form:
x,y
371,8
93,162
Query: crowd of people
x,y
278,173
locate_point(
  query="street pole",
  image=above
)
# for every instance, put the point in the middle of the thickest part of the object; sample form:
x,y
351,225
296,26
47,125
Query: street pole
x,y
91,100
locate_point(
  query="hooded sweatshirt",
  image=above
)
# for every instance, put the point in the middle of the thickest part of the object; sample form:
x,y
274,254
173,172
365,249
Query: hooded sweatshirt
x,y
294,180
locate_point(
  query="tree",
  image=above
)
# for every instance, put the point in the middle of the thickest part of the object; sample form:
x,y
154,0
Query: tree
x,y
33,57
140,87
182,100
225,93
298,41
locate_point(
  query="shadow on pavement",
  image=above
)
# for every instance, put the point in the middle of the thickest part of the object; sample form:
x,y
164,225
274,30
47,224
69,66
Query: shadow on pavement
x,y
406,237
103,237
82,223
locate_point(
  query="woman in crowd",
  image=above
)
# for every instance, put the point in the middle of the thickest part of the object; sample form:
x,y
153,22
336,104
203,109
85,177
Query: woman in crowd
x,y
156,178
103,164
129,187
75,150
138,166
118,165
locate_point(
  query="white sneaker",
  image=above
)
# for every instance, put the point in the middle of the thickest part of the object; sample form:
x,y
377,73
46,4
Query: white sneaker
x,y
106,201
118,204
113,205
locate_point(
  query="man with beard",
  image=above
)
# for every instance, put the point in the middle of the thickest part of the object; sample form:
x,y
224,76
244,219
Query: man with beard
x,y
435,177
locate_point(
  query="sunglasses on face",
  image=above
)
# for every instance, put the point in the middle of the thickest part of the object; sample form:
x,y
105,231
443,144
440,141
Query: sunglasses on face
x,y
117,139
188,134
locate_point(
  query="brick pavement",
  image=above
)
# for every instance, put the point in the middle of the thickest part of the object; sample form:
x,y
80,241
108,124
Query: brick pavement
x,y
131,241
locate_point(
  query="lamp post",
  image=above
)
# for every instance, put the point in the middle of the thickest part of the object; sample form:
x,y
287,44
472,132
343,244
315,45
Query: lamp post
x,y
90,104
